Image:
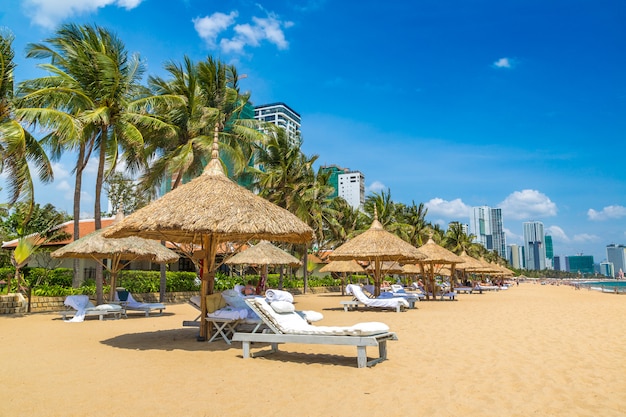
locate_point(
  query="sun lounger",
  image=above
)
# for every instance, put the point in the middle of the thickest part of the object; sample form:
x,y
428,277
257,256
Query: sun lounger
x,y
82,307
131,304
360,299
412,297
464,289
286,326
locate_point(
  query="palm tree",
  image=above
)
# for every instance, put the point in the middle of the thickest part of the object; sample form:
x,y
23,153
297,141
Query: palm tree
x,y
456,240
95,81
17,145
203,100
417,229
344,223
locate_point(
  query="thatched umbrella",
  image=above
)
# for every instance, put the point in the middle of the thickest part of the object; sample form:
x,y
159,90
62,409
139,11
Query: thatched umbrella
x,y
435,254
342,267
208,210
119,251
376,245
264,254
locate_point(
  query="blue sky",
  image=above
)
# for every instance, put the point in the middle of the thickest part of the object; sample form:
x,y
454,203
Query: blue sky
x,y
519,104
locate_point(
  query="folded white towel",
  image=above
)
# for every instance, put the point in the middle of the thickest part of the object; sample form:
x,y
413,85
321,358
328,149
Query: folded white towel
x,y
278,295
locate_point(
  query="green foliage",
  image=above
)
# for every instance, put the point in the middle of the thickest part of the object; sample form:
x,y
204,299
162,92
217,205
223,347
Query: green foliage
x,y
149,281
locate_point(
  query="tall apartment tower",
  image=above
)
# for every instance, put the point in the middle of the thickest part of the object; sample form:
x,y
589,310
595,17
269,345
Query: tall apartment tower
x,y
515,256
486,225
281,115
616,254
534,246
351,187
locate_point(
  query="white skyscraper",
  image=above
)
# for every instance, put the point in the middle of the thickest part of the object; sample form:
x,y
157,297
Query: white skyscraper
x,y
281,115
534,246
351,187
486,225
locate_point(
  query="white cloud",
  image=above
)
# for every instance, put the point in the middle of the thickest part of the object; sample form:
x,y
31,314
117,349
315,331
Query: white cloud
x,y
60,172
512,237
449,209
270,29
209,27
586,238
376,187
503,63
49,13
608,212
527,205
557,233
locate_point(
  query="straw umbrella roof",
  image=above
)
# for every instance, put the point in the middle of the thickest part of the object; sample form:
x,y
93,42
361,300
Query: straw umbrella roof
x,y
342,266
387,267
376,245
212,206
96,246
436,254
411,269
263,253
208,210
470,263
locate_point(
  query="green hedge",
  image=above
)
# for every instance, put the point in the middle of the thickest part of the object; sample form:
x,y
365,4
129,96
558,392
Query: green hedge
x,y
58,282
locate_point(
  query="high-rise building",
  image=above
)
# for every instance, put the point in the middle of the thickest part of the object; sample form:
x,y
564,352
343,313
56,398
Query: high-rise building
x,y
606,269
515,256
557,263
281,115
549,252
351,187
486,225
534,246
616,254
582,264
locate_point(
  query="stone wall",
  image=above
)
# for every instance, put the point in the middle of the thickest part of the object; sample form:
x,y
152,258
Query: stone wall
x,y
12,304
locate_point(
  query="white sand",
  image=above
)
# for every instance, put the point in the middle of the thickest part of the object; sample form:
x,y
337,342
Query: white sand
x,y
531,350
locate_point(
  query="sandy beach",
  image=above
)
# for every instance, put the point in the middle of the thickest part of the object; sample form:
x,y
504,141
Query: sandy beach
x,y
531,350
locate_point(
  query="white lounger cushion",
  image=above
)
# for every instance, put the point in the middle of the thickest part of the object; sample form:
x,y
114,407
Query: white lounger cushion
x,y
375,302
293,323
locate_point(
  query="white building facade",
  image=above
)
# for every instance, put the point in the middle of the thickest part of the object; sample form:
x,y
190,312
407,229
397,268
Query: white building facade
x,y
351,187
281,115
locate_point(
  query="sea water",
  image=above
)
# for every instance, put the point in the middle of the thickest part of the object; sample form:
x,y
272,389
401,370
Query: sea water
x,y
606,286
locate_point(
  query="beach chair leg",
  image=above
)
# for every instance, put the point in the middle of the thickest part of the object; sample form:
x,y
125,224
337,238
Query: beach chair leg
x,y
246,349
361,356
382,350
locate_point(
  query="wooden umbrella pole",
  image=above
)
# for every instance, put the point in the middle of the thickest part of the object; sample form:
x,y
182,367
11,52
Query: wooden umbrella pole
x,y
115,264
377,278
208,278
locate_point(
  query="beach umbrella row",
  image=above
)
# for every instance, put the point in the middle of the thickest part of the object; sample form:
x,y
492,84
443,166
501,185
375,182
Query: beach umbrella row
x,y
263,254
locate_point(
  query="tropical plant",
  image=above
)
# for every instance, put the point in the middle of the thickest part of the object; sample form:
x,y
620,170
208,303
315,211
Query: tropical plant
x,y
96,83
17,145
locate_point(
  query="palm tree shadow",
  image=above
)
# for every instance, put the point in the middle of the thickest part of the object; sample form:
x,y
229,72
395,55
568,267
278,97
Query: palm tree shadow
x,y
166,340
